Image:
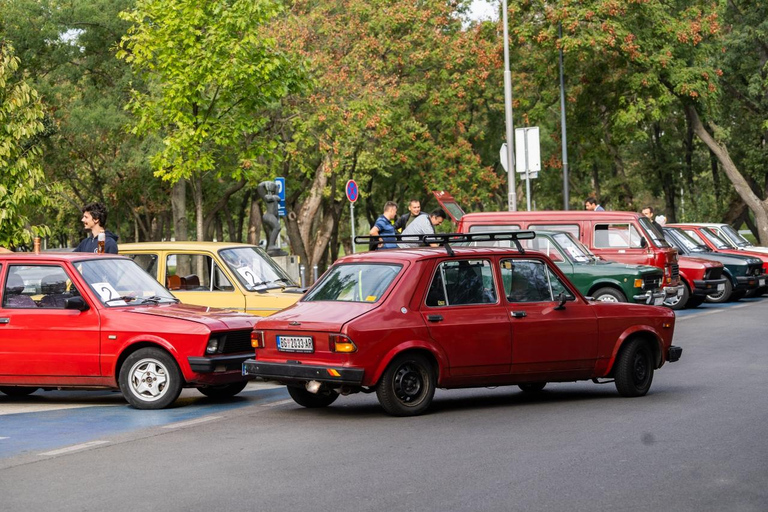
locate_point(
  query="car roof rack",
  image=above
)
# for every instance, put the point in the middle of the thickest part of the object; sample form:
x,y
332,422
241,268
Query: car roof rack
x,y
446,239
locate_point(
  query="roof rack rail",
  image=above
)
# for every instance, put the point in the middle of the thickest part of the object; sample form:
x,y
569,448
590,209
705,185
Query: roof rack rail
x,y
445,239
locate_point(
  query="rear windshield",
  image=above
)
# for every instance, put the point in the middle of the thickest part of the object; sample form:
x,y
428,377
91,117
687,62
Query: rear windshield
x,y
354,283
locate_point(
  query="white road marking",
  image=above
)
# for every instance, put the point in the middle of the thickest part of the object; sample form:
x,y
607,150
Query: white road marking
x,y
183,424
1,438
73,448
279,402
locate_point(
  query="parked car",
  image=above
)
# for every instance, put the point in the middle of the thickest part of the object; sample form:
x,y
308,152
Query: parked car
x,y
624,237
706,236
739,269
403,322
234,276
81,320
602,280
730,236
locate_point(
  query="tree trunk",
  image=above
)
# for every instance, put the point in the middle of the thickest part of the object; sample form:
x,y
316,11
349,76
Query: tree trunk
x,y
254,221
179,209
199,218
758,206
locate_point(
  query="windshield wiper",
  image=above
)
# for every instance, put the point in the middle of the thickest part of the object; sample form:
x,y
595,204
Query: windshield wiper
x,y
157,299
124,298
284,280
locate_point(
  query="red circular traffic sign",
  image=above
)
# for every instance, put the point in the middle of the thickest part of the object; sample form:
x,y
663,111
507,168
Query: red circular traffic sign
x,y
352,192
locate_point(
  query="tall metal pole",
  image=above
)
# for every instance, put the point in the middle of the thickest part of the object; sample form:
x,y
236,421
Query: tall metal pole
x,y
352,224
527,171
512,196
563,136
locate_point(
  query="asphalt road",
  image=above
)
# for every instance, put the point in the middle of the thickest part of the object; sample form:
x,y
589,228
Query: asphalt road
x,y
696,442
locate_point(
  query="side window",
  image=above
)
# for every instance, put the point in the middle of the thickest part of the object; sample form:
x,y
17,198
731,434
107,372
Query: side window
x,y
220,281
558,286
146,261
188,272
462,282
544,245
617,236
526,281
568,228
33,286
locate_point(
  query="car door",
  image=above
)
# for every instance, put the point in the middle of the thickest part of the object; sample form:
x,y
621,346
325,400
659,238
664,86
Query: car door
x,y
40,337
545,339
465,316
196,278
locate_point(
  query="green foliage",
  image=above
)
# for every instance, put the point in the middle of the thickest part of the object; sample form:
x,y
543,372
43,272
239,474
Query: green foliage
x,y
22,181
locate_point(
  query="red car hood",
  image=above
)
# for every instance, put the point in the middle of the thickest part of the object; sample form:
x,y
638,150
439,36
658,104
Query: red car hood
x,y
214,318
316,316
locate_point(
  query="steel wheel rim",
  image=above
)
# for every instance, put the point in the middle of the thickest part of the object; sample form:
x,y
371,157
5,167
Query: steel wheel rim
x,y
607,298
148,380
409,383
641,368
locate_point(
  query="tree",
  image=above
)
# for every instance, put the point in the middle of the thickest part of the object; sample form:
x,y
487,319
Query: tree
x,y
210,74
23,189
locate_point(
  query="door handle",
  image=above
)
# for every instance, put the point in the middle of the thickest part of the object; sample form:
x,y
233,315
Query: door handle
x,y
435,318
519,314
5,320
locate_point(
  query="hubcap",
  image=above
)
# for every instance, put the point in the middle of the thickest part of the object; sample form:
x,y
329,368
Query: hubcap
x,y
641,368
607,298
409,383
148,379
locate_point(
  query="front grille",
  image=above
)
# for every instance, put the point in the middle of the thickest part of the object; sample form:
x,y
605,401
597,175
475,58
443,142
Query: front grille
x,y
652,282
236,341
713,273
675,271
754,269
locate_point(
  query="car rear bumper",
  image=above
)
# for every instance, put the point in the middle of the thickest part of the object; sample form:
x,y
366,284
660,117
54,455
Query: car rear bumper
x,y
218,364
297,372
708,286
674,353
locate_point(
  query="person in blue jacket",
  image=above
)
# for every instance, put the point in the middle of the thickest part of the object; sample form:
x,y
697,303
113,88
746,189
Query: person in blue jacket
x,y
94,220
384,226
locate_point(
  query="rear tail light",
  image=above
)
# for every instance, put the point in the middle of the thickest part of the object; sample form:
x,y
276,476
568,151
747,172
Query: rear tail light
x,y
257,339
341,343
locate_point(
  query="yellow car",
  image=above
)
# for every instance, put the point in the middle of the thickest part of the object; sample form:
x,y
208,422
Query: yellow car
x,y
234,276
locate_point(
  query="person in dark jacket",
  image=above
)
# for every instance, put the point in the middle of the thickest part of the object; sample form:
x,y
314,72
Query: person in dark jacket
x,y
94,220
414,210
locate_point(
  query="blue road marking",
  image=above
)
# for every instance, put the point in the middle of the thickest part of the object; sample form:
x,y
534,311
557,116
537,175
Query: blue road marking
x,y
48,430
709,307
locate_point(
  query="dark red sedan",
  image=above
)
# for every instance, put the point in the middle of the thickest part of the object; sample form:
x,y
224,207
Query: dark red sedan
x,y
75,320
404,322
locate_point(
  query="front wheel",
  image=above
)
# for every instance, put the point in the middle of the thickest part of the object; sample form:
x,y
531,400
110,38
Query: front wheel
x,y
323,398
150,379
407,386
722,296
607,294
17,390
634,369
677,303
223,391
695,301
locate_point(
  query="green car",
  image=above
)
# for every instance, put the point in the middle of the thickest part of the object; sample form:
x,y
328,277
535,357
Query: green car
x,y
602,280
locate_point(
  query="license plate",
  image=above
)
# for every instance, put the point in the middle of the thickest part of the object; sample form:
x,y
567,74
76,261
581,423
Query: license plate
x,y
720,287
295,344
762,282
658,301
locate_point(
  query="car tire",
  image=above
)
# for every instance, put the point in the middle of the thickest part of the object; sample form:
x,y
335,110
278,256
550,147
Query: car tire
x,y
737,295
634,369
607,294
532,387
223,391
17,390
304,398
759,292
694,302
677,303
723,296
407,386
150,379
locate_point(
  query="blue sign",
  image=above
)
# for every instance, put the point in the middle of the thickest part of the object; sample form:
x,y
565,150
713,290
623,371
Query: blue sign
x,y
281,192
352,192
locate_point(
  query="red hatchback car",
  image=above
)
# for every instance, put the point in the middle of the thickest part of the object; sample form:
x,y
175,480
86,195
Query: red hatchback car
x,y
76,320
403,322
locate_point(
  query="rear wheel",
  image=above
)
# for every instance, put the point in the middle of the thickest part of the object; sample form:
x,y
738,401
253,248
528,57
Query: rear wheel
x,y
722,296
677,303
223,391
407,386
694,302
323,398
532,387
751,294
607,294
150,379
17,390
634,369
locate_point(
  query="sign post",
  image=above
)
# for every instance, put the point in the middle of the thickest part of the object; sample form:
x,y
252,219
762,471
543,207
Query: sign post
x,y
352,195
528,156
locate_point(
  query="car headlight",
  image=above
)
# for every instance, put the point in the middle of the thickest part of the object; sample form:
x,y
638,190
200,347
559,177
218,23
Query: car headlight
x,y
213,345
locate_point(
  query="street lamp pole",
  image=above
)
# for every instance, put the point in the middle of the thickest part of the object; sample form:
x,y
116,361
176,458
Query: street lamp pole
x,y
564,137
512,195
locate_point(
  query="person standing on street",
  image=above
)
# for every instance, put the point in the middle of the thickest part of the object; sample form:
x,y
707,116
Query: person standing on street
x,y
383,226
648,213
591,204
423,225
94,220
414,210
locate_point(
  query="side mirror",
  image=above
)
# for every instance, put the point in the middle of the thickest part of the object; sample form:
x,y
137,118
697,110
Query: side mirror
x,y
561,304
76,303
643,242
